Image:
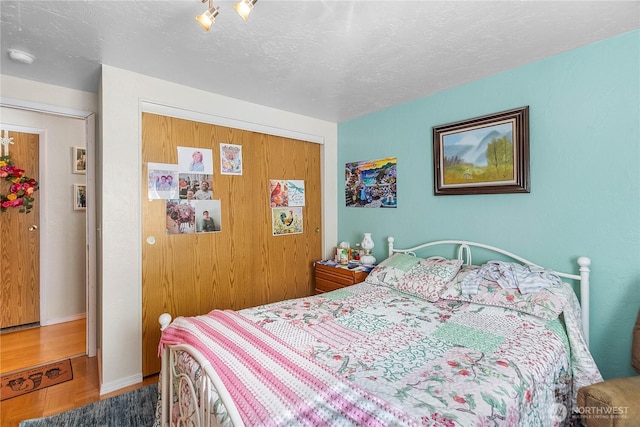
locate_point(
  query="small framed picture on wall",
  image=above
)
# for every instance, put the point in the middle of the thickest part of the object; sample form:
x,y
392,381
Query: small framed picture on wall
x,y
80,197
79,160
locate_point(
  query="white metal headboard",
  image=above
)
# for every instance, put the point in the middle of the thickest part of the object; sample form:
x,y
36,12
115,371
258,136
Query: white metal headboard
x,y
464,254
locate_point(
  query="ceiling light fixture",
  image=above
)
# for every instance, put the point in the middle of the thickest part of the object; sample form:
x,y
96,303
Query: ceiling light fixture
x,y
20,56
244,8
209,16
206,19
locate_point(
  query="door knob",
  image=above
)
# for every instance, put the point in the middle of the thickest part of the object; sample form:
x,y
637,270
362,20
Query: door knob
x,y
33,227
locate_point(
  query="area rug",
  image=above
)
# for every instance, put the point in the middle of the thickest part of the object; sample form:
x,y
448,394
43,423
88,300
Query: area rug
x,y
32,379
135,408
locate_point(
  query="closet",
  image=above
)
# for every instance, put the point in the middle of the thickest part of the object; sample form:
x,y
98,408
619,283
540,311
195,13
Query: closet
x,y
244,264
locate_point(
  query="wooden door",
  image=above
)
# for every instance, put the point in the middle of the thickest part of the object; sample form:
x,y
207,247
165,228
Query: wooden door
x,y
243,265
20,243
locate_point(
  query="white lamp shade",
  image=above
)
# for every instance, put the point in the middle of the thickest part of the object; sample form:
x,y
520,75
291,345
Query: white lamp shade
x,y
207,18
367,244
244,7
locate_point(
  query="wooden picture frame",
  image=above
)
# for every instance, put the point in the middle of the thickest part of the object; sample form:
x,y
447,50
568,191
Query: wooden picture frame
x,y
79,160
483,155
79,197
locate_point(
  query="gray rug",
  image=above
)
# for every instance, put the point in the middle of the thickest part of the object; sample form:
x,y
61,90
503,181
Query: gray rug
x,y
135,408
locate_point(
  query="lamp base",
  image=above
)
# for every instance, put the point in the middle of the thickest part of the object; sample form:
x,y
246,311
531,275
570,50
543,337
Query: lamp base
x,y
367,260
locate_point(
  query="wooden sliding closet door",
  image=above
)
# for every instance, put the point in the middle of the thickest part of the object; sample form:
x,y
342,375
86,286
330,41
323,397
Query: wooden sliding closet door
x,y
243,265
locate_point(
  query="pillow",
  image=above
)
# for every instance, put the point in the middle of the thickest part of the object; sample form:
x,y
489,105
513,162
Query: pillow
x,y
391,269
424,278
545,304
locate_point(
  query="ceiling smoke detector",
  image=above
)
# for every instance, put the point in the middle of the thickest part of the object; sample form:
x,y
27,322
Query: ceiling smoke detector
x,y
20,56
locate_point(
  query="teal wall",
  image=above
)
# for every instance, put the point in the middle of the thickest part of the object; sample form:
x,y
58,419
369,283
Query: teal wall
x,y
585,177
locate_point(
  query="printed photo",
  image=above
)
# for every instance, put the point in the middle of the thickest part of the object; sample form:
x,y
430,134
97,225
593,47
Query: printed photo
x,y
198,160
79,160
208,216
162,181
181,216
80,197
231,159
193,186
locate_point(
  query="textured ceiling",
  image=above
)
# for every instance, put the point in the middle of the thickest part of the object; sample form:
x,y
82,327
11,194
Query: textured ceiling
x,y
332,60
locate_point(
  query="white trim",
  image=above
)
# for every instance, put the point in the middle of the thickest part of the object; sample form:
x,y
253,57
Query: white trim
x,y
64,319
20,128
120,384
91,230
182,113
22,104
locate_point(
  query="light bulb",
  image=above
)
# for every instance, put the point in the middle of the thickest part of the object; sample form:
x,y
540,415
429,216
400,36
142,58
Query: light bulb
x,y
244,7
208,18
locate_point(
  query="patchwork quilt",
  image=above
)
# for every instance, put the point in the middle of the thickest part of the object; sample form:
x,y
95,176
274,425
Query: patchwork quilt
x,y
446,363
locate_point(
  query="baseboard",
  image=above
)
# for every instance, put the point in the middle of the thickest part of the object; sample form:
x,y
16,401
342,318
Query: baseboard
x,y
121,383
64,319
106,388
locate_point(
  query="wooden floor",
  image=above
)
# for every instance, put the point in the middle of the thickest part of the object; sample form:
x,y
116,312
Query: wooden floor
x,y
33,347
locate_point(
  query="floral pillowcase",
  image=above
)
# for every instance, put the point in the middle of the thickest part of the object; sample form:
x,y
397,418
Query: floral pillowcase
x,y
424,278
546,304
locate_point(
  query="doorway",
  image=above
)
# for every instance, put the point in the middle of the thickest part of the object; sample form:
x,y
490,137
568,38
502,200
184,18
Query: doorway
x,y
58,221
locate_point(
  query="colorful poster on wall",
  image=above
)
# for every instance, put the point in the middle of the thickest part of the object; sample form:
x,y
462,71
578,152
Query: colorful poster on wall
x,y
195,160
295,188
162,181
371,183
230,159
286,192
279,193
286,220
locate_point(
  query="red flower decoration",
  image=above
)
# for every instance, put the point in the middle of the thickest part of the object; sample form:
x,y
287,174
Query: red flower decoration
x,y
21,189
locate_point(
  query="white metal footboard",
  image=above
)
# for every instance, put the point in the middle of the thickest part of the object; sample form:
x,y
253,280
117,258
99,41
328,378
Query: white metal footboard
x,y
193,409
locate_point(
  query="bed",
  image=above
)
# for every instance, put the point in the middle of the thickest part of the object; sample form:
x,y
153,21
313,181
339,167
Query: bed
x,y
429,340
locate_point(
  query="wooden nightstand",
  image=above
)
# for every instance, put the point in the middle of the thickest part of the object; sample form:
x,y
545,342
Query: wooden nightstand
x,y
329,278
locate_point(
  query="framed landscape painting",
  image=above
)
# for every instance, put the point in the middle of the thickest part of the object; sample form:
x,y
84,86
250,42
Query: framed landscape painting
x,y
483,155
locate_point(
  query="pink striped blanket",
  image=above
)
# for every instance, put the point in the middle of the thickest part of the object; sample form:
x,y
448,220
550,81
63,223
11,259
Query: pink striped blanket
x,y
271,383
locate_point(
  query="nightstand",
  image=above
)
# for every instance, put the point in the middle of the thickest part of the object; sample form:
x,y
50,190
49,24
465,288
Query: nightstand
x,y
331,277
